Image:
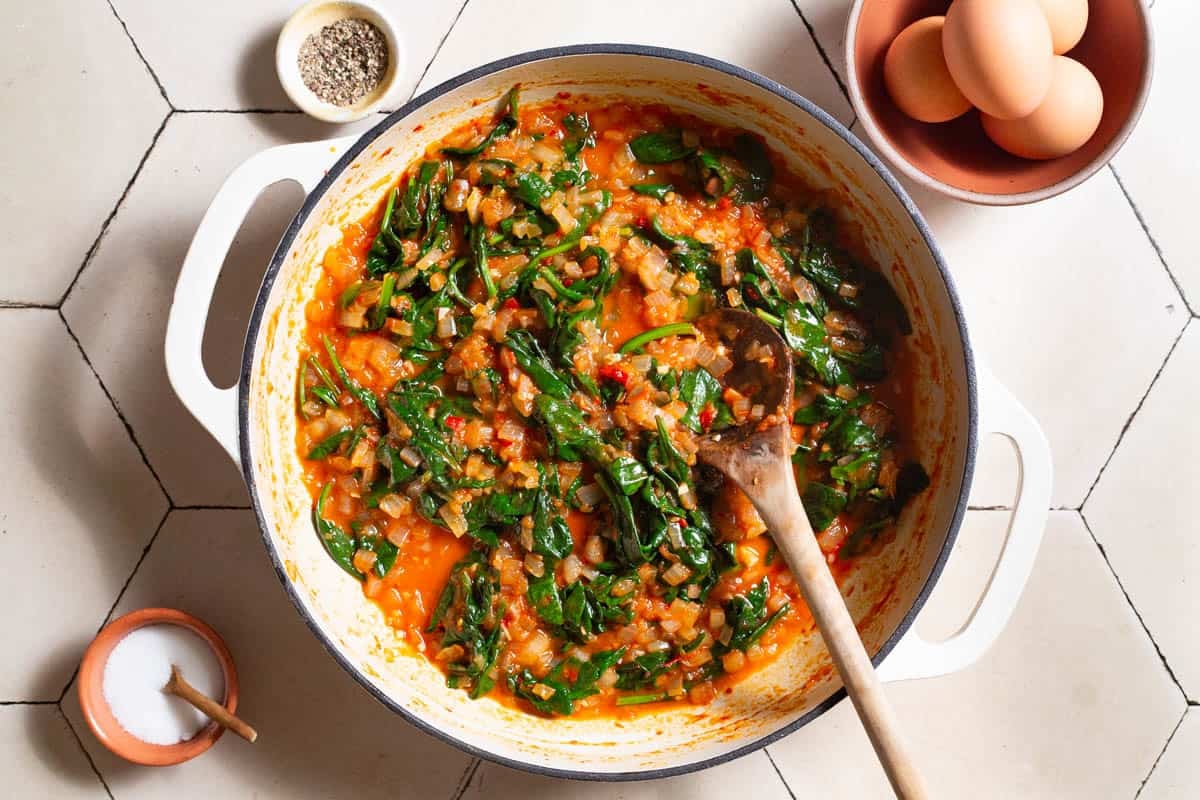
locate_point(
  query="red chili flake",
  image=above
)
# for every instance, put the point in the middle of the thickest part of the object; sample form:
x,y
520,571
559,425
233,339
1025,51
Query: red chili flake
x,y
454,423
680,521
641,222
707,416
567,281
563,95
614,373
724,203
511,303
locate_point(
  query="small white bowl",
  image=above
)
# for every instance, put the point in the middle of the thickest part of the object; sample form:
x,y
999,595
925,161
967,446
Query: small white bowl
x,y
309,19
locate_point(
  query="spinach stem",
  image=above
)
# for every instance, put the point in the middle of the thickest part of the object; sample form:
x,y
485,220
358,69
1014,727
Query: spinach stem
x,y
768,317
663,331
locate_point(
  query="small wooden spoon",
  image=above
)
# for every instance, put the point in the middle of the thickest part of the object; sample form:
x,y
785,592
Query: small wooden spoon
x,y
757,457
214,710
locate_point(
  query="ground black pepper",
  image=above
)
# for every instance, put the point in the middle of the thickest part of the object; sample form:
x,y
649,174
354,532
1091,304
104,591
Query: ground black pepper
x,y
344,61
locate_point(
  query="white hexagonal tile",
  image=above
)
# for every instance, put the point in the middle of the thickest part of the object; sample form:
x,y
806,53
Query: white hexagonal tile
x,y
767,36
78,507
40,757
1068,304
1158,165
79,111
1177,775
1071,702
226,60
1140,511
118,309
320,734
828,20
753,775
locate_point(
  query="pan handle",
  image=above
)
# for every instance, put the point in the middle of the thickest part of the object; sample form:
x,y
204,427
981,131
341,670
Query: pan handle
x,y
915,657
213,407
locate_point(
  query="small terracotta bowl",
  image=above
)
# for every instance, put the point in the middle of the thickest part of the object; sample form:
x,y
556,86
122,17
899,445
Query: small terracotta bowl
x,y
956,158
100,717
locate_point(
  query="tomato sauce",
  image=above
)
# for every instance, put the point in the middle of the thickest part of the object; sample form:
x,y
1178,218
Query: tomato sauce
x,y
473,421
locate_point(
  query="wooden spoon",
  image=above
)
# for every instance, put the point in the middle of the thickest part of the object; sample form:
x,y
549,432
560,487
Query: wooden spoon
x,y
758,458
214,710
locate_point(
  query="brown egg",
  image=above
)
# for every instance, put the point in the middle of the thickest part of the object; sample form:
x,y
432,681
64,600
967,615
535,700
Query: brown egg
x,y
1064,121
916,75
1068,20
1000,53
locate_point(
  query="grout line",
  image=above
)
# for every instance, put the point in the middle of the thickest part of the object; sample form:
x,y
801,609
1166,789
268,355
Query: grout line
x,y
28,702
1161,753
112,214
437,50
204,507
787,788
116,408
1133,414
1136,613
18,304
1137,213
464,781
86,754
121,593
153,75
821,51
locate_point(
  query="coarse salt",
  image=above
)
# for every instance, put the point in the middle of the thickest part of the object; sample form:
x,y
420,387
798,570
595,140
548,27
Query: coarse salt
x,y
138,668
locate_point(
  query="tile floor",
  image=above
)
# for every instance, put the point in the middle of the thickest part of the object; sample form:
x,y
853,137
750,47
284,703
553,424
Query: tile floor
x,y
1082,305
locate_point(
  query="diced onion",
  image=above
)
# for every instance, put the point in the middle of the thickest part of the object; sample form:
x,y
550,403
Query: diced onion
x,y
428,260
642,362
733,661
805,291
687,498
566,222
456,195
472,205
720,365
593,549
675,535
676,574
623,587
572,567
510,430
353,318
846,392
728,271
545,153
535,565
445,324
410,457
392,505
454,519
590,495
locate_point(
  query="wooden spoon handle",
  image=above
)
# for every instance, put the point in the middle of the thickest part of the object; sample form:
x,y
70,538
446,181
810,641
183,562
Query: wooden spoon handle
x,y
774,494
214,710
